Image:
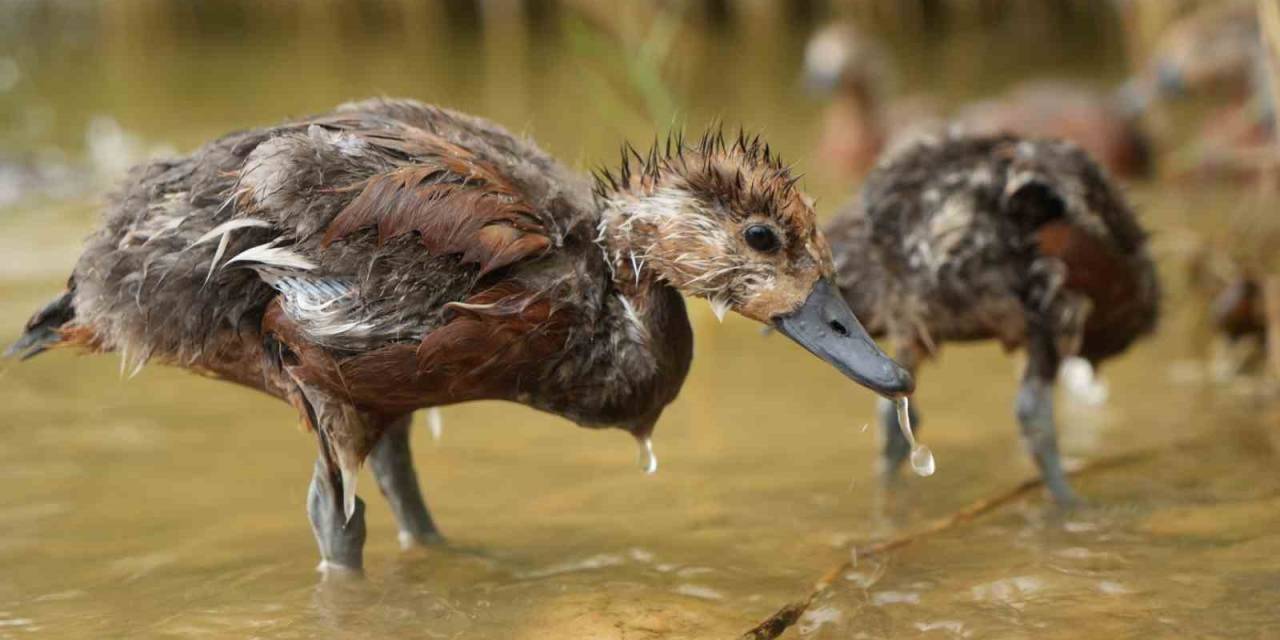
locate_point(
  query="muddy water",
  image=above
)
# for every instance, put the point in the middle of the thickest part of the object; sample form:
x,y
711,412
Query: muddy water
x,y
171,506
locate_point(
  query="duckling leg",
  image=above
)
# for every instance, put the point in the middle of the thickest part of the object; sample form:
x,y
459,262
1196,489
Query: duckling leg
x,y
1034,408
392,465
341,540
895,446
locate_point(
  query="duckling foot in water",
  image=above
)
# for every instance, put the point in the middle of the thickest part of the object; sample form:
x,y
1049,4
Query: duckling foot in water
x,y
392,465
1034,408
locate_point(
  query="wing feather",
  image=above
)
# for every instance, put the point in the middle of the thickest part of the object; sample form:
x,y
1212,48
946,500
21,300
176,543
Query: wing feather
x,y
457,203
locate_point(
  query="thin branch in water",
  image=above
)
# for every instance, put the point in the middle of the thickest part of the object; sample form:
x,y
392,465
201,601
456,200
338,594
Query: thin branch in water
x,y
784,618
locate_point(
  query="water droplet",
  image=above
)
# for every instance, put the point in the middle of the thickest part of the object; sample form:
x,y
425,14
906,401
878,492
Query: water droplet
x,y
922,461
435,423
921,457
904,419
648,460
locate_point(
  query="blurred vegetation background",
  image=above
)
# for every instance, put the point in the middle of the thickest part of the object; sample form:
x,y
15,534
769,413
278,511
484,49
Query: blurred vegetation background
x,y
578,74
89,88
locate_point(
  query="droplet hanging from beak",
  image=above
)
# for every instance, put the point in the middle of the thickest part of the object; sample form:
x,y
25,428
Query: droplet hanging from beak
x,y
921,456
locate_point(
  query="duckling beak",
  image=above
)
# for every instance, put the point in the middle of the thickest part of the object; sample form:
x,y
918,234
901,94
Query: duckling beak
x,y
826,326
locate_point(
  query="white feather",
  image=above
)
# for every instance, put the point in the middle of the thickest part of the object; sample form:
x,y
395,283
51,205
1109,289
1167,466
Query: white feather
x,y
224,230
636,329
349,477
273,256
720,307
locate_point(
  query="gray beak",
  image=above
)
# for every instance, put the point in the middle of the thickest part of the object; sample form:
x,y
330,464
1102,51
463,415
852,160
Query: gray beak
x,y
826,326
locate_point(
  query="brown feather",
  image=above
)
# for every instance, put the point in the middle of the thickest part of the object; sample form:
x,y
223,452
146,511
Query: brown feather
x,y
496,342
456,203
1099,272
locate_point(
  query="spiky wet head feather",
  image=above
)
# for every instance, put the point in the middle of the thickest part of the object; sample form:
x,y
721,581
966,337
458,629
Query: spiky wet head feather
x,y
745,175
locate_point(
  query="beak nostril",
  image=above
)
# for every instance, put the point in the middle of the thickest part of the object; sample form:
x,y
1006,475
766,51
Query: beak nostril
x,y
839,328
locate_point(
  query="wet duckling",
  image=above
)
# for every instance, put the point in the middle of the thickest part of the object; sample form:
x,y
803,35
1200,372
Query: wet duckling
x,y
966,238
862,118
1238,312
858,125
1213,51
390,256
1216,53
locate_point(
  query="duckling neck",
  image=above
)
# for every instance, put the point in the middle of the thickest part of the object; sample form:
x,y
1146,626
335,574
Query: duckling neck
x,y
641,349
855,129
628,230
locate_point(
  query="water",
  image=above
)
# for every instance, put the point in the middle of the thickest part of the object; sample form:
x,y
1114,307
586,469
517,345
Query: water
x,y
168,505
921,456
435,423
648,459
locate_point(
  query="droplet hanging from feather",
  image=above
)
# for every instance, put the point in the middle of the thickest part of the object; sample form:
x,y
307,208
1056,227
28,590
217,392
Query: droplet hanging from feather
x,y
435,423
648,459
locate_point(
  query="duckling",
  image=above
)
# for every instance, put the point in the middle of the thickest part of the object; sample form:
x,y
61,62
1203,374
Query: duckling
x,y
857,127
391,255
1227,275
996,237
1238,311
1213,51
862,118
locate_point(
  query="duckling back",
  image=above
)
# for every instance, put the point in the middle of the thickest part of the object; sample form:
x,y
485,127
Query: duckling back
x,y
193,250
974,237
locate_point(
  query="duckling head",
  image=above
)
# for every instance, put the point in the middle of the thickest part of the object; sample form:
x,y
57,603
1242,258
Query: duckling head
x,y
726,222
1215,50
840,58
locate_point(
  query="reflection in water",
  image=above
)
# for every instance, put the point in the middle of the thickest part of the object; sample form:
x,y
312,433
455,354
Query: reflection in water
x,y
172,505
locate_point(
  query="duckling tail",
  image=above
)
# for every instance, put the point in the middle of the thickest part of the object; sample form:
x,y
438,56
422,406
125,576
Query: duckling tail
x,y
43,330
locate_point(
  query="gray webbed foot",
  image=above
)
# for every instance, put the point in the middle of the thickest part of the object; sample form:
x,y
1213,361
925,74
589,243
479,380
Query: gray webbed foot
x,y
392,464
341,541
1035,416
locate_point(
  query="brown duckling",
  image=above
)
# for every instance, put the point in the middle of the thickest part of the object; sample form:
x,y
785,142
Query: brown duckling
x,y
390,256
995,237
1215,53
1239,312
862,118
858,125
1215,50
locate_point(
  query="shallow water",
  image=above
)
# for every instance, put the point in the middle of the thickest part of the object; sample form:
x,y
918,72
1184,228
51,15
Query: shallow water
x,y
172,506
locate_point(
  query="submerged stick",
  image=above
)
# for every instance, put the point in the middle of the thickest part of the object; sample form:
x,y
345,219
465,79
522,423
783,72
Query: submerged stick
x,y
776,624
1271,299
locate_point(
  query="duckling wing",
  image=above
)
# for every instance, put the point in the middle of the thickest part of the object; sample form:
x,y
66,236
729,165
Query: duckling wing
x,y
363,224
404,208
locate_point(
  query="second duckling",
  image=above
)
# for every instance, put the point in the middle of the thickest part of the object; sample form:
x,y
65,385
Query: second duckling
x,y
965,238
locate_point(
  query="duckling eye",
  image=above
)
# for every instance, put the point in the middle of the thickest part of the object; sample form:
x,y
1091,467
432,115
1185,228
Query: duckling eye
x,y
761,238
